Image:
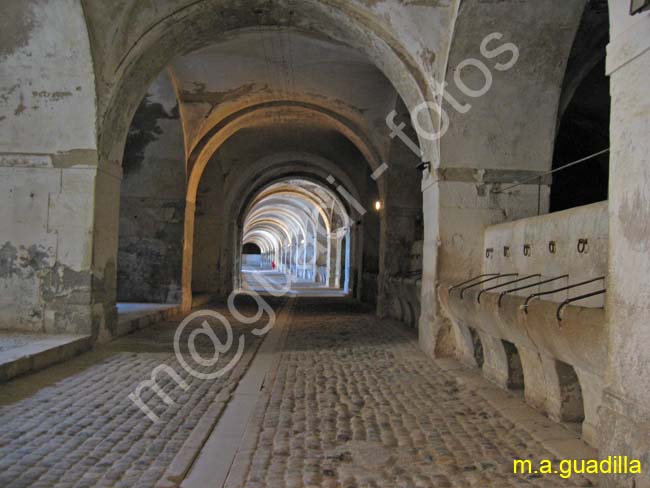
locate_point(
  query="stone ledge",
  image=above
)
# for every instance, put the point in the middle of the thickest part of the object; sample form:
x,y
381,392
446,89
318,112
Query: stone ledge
x,y
151,314
40,353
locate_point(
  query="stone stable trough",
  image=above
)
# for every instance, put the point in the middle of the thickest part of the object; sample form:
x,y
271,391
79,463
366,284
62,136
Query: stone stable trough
x,y
579,340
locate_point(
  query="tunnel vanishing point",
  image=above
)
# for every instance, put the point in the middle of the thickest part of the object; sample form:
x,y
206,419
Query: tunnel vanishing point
x,y
469,179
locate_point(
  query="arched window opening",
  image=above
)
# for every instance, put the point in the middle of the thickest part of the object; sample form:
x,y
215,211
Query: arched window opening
x,y
152,203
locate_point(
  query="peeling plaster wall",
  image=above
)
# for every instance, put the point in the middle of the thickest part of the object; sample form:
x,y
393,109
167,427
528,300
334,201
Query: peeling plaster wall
x,y
626,410
505,136
152,202
47,170
47,93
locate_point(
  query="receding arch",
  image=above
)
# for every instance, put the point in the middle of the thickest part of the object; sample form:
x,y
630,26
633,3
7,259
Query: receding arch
x,y
280,166
250,118
304,226
124,76
275,111
264,171
130,59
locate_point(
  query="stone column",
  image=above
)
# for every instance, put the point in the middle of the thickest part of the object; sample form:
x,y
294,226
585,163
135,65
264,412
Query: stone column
x,y
59,208
212,253
397,232
346,263
314,258
334,261
188,246
625,414
476,158
304,259
356,268
292,257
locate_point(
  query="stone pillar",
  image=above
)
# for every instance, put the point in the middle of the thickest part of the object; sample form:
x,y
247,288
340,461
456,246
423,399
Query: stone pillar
x,y
625,414
211,273
397,232
298,260
356,267
314,258
59,208
321,257
188,246
59,253
292,258
304,259
474,159
346,263
334,260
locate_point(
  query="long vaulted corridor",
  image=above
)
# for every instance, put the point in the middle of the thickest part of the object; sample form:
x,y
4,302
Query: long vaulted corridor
x,y
324,243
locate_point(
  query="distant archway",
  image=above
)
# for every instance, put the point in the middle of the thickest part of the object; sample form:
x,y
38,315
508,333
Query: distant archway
x,y
302,230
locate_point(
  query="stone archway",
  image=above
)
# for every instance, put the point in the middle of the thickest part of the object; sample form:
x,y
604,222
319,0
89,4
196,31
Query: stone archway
x,y
276,113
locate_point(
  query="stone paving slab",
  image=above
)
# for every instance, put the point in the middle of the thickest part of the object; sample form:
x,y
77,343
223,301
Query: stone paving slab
x,y
354,403
215,461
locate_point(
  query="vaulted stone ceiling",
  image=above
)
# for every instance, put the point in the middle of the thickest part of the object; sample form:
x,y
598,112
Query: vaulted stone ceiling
x,y
261,66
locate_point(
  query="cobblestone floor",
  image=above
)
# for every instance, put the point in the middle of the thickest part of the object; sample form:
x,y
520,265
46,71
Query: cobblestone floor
x,y
73,425
354,403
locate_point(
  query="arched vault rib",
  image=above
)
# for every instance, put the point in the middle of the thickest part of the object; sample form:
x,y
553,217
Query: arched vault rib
x,y
287,218
274,112
123,76
270,211
318,204
268,170
276,214
196,133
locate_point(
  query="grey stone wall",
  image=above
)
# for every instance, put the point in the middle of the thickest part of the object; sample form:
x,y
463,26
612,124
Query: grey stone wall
x,y
152,202
48,170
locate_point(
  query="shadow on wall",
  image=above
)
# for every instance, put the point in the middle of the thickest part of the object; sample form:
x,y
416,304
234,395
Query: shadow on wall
x,y
515,369
144,130
152,201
